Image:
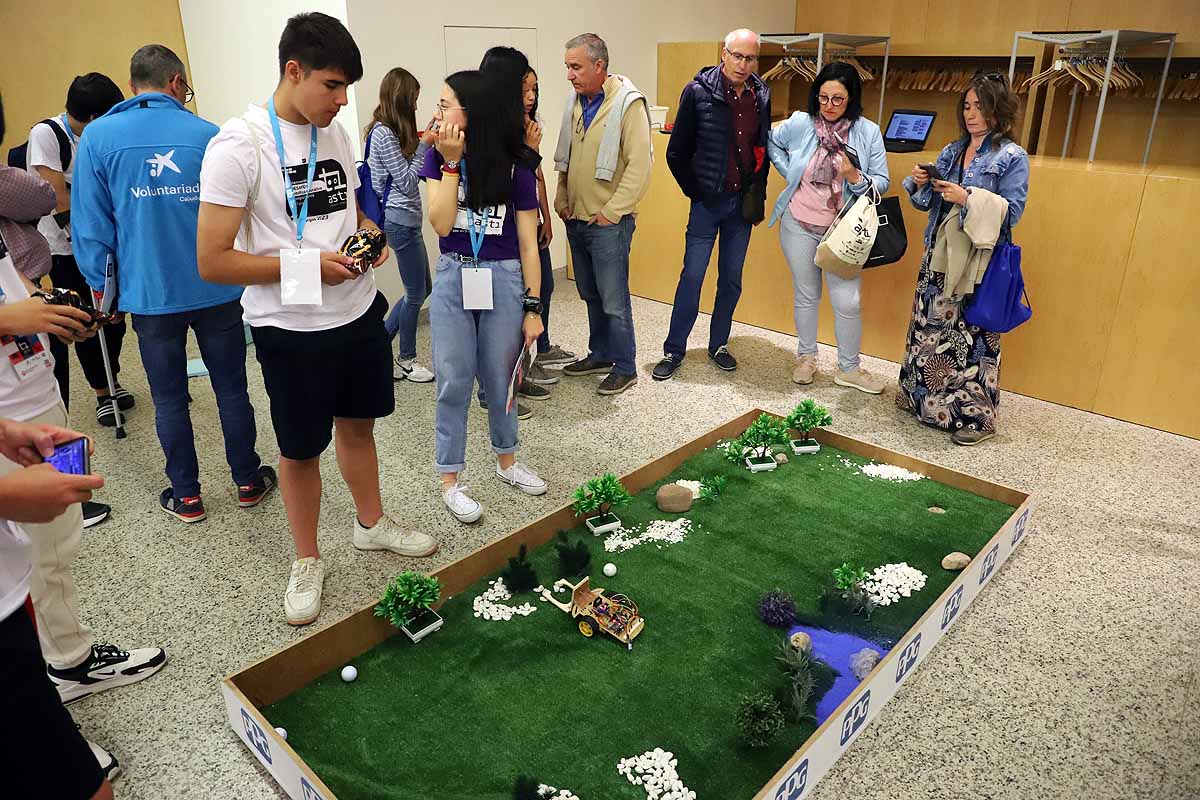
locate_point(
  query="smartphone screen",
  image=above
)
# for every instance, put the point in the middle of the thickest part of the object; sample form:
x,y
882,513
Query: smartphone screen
x,y
932,171
71,457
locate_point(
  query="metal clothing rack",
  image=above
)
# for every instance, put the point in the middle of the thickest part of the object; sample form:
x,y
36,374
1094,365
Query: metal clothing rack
x,y
1113,38
790,42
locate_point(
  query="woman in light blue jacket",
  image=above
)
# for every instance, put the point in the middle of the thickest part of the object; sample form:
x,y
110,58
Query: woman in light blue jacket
x,y
821,180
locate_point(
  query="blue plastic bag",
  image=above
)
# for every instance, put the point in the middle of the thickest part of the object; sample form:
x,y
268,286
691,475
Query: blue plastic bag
x,y
372,205
999,303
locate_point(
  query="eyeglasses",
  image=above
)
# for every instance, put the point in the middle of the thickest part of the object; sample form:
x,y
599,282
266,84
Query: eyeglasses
x,y
741,58
992,76
442,108
188,94
835,101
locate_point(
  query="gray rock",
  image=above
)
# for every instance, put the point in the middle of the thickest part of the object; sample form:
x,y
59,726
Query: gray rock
x,y
956,561
673,499
862,662
801,641
781,458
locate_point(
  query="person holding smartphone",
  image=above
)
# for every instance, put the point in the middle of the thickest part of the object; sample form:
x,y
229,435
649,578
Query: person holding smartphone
x,y
815,152
950,375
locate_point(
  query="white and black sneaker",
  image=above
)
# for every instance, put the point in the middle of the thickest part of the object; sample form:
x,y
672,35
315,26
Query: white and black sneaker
x,y
94,513
107,667
110,768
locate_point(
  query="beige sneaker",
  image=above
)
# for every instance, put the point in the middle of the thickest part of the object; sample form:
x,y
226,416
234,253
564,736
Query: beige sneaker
x,y
857,379
387,535
302,600
806,368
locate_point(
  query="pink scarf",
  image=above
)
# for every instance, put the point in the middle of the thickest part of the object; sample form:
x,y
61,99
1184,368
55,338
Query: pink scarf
x,y
825,171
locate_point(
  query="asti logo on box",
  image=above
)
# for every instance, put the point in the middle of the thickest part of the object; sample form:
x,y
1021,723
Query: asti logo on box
x,y
1019,527
989,564
307,792
258,739
795,784
952,606
908,657
856,716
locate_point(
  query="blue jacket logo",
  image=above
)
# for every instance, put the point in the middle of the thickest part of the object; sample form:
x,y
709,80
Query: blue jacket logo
x,y
856,716
162,162
1019,527
908,658
989,564
258,739
795,784
307,792
952,606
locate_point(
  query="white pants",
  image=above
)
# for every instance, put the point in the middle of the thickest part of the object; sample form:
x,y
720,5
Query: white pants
x,y
65,639
800,248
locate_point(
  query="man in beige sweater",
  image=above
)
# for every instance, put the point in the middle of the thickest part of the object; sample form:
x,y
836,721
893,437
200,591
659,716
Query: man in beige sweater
x,y
603,163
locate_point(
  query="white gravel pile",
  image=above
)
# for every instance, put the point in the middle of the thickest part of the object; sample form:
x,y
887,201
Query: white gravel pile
x,y
550,793
490,605
655,772
889,583
888,472
691,486
660,532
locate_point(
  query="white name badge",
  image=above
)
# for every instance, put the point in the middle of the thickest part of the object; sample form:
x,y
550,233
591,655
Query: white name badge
x,y
477,288
27,355
300,276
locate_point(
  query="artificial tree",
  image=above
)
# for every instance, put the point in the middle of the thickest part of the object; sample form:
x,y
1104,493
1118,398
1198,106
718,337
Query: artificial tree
x,y
711,488
520,576
756,443
407,603
601,495
573,558
807,416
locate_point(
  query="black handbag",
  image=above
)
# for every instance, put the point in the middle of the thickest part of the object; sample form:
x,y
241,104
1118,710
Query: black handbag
x,y
891,240
754,201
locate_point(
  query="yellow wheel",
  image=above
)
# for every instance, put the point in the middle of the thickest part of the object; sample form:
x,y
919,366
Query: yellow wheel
x,y
587,627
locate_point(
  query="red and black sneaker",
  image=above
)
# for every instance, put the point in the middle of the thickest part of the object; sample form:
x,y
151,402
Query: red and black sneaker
x,y
187,509
255,493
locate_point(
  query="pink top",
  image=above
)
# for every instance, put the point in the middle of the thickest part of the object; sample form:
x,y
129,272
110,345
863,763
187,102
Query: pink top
x,y
809,203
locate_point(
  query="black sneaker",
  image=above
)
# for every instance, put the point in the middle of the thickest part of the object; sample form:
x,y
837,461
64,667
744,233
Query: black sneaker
x,y
723,359
588,366
615,384
255,493
107,667
531,391
666,368
523,411
187,509
125,400
106,415
94,513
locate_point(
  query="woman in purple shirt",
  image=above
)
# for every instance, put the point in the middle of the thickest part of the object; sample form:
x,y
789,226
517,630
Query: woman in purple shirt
x,y
484,308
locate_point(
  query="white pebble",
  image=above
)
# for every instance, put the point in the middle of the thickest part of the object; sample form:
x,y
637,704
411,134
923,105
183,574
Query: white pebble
x,y
349,673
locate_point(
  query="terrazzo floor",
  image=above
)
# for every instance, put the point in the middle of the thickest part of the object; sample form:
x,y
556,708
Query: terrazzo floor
x,y
1075,675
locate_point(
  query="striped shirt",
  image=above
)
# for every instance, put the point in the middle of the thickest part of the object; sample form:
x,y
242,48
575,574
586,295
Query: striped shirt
x,y
404,200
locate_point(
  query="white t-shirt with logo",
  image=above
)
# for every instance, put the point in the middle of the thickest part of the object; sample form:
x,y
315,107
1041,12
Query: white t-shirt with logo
x,y
43,151
227,179
16,566
22,400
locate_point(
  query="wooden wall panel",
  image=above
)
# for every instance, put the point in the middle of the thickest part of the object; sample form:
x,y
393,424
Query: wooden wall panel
x,y
677,65
988,27
1149,373
1124,127
1181,16
905,22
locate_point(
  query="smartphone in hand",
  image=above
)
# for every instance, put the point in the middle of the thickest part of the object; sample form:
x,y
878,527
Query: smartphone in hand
x,y
850,152
932,171
71,458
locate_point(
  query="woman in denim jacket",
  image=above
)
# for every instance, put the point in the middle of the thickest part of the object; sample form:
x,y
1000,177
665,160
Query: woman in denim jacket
x,y
950,374
820,181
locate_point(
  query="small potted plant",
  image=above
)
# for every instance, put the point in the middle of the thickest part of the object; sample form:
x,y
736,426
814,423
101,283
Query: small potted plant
x,y
601,495
407,603
806,417
757,443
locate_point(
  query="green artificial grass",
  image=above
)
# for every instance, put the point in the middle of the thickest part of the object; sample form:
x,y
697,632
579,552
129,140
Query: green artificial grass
x,y
465,711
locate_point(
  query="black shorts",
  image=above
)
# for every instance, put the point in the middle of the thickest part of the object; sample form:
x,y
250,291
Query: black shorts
x,y
46,753
314,376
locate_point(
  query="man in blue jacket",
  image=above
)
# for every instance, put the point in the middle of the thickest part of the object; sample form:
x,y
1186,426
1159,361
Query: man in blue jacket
x,y
717,154
137,199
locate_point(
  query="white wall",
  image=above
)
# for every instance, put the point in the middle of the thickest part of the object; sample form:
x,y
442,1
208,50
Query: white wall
x,y
411,35
233,51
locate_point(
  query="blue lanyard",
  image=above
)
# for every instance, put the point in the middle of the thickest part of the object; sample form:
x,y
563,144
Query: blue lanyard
x,y
476,235
67,128
300,217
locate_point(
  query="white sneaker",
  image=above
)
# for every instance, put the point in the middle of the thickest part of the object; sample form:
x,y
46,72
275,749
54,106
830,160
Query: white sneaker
x,y
302,600
387,535
410,370
463,508
110,768
106,667
522,477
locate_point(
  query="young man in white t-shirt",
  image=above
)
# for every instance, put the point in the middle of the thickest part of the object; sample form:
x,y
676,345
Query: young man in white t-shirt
x,y
88,98
321,361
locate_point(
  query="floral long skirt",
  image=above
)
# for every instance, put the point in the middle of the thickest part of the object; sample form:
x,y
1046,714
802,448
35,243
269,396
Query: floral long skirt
x,y
950,375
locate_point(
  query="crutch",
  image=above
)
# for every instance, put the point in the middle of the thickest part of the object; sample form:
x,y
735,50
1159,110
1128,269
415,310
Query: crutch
x,y
107,301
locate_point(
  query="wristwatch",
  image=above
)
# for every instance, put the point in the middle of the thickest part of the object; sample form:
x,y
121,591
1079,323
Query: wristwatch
x,y
531,305
451,165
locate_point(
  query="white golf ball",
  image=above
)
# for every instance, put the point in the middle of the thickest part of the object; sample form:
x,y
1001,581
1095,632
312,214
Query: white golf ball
x,y
610,569
349,673
282,733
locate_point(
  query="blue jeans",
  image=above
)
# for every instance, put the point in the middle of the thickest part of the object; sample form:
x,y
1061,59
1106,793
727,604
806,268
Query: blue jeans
x,y
601,258
162,339
470,345
723,216
413,263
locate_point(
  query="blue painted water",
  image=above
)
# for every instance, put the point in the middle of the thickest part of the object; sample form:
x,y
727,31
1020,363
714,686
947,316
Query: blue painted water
x,y
835,650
